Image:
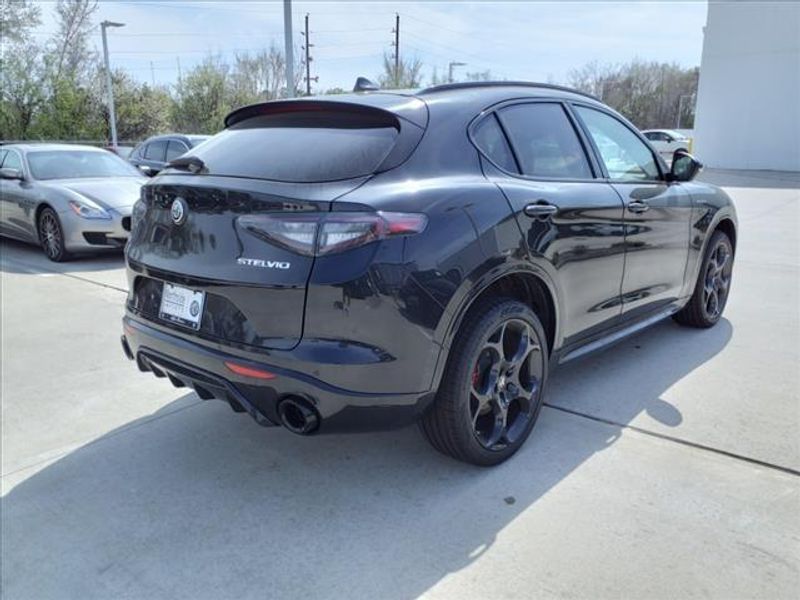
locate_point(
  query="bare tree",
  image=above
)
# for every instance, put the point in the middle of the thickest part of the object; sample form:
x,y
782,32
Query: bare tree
x,y
260,76
17,18
407,75
72,53
647,93
479,75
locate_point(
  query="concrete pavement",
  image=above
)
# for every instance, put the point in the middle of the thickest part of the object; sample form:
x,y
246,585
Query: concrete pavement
x,y
117,485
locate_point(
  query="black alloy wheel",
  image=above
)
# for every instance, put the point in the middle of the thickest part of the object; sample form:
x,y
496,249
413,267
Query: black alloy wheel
x,y
710,296
492,389
505,385
717,279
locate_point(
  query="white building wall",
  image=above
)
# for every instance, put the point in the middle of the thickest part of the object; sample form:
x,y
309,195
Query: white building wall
x,y
748,99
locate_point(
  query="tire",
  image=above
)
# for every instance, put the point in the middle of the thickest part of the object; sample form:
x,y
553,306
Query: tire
x,y
713,285
492,388
51,235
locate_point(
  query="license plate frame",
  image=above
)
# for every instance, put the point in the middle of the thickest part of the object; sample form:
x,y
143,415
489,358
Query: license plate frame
x,y
181,305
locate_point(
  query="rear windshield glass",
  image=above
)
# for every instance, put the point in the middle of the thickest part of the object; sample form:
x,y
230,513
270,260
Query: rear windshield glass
x,y
300,147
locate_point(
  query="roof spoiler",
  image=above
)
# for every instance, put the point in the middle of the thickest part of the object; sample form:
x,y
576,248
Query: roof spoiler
x,y
309,107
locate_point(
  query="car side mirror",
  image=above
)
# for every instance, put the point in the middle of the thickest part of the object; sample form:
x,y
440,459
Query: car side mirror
x,y
146,170
9,173
685,167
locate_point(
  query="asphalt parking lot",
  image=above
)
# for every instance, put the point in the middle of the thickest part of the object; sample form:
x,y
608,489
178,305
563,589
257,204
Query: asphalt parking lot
x,y
665,467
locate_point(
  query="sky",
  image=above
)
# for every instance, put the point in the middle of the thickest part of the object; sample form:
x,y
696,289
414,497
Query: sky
x,y
535,41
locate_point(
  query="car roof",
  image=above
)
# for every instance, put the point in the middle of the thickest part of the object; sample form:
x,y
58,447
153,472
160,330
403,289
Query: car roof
x,y
670,131
29,146
469,97
172,136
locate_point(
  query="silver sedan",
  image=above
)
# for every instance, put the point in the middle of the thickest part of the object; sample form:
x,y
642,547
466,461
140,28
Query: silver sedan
x,y
67,199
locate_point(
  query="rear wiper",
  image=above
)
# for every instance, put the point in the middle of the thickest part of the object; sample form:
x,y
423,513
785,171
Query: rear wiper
x,y
188,163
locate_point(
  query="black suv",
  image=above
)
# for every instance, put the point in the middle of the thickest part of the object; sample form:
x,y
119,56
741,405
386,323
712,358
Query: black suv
x,y
369,260
153,154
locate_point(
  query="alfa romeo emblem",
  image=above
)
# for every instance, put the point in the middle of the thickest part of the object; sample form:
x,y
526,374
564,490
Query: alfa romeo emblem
x,y
178,211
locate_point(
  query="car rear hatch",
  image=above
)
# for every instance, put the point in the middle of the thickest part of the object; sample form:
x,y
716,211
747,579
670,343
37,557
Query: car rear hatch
x,y
218,245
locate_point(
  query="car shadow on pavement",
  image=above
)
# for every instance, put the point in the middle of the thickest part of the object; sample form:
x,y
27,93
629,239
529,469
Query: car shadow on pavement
x,y
19,257
207,504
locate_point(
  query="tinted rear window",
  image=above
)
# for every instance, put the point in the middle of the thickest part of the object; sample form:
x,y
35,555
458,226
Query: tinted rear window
x,y
156,150
492,141
545,141
301,147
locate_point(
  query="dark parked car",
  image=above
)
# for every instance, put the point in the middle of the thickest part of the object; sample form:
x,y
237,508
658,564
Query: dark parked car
x,y
375,259
152,155
66,198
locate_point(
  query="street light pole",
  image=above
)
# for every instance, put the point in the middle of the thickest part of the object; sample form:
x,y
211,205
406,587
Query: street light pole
x,y
451,66
111,115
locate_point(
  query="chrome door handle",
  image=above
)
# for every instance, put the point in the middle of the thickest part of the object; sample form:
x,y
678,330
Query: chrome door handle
x,y
540,210
637,206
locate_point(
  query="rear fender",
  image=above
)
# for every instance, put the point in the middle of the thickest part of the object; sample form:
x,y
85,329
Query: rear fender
x,y
480,280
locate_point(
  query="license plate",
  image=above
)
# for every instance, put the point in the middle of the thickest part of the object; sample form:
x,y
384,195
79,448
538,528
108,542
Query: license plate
x,y
181,305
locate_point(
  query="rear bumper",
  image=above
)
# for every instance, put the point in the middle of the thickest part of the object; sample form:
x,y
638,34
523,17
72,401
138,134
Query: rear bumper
x,y
189,364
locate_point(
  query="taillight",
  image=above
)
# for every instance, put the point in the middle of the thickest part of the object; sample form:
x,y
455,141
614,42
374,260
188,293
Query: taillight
x,y
317,234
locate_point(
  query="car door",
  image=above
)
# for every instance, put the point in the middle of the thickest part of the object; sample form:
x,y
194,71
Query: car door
x,y
657,215
567,215
176,148
155,155
3,209
18,202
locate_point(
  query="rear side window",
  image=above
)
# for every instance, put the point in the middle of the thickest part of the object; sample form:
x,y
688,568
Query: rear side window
x,y
156,150
545,141
301,147
12,161
625,156
175,149
491,140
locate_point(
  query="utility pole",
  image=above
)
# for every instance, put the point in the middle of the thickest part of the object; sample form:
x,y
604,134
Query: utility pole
x,y
180,76
111,116
451,66
287,37
152,74
307,48
396,32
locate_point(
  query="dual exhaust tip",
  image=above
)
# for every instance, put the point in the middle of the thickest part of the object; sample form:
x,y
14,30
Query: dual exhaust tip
x,y
296,413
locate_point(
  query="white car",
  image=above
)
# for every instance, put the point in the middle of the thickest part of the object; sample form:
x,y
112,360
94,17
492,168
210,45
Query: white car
x,y
666,141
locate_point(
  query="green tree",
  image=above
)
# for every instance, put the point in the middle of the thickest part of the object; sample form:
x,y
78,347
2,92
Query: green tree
x,y
71,113
21,69
141,110
200,99
21,92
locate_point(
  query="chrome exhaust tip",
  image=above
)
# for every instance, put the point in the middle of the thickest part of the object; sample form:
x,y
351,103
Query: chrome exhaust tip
x,y
298,415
